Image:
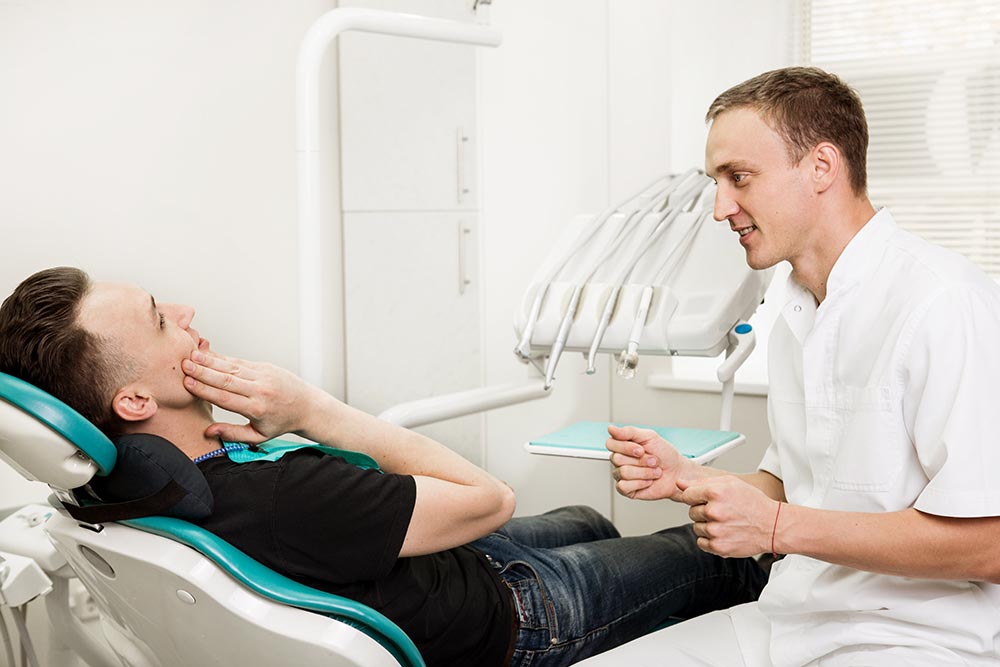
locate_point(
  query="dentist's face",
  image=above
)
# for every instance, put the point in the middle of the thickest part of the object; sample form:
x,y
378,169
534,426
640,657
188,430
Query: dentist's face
x,y
156,337
760,192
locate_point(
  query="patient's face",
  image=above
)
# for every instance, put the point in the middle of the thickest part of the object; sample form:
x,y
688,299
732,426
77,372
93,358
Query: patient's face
x,y
156,336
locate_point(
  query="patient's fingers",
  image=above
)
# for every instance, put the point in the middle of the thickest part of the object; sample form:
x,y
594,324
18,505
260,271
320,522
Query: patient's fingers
x,y
223,398
227,380
225,364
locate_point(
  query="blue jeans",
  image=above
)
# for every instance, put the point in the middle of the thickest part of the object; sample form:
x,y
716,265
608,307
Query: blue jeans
x,y
580,589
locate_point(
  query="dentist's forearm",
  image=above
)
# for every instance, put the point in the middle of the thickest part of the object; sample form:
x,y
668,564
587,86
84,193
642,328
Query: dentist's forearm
x,y
907,543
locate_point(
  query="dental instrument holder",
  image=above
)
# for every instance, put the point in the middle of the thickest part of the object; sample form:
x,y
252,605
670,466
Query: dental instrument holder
x,y
689,293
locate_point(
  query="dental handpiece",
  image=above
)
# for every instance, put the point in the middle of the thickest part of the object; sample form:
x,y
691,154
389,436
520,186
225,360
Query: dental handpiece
x,y
560,342
602,326
523,347
630,356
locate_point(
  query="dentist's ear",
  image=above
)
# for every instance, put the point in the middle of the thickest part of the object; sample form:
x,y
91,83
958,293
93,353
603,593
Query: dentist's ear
x,y
133,405
827,163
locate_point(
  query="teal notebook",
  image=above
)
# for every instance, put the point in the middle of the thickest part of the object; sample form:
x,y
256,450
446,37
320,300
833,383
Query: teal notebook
x,y
586,440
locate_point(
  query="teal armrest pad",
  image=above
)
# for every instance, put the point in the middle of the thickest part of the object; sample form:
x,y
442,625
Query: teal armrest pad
x,y
270,584
591,436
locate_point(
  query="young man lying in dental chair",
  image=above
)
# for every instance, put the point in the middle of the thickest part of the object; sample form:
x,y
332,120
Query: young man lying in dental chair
x,y
430,543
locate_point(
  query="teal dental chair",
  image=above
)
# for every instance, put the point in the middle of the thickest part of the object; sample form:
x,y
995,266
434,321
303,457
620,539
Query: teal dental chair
x,y
169,593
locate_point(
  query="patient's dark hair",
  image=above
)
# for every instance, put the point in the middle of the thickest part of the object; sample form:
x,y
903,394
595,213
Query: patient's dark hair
x,y
42,343
806,106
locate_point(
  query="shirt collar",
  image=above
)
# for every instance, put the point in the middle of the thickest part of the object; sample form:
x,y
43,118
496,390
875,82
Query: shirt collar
x,y
800,310
859,258
863,253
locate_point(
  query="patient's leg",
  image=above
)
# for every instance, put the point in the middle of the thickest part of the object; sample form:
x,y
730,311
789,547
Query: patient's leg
x,y
582,598
559,527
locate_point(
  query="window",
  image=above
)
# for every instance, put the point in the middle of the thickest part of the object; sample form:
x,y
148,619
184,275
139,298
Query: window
x,y
929,77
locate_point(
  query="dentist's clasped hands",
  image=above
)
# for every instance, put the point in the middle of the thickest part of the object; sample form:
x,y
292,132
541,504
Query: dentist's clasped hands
x,y
731,517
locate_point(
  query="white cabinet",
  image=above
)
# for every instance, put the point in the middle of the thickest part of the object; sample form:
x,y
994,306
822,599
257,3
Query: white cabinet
x,y
412,314
408,118
408,175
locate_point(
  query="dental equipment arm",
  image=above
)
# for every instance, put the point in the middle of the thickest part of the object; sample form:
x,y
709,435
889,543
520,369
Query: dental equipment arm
x,y
314,46
439,408
457,502
742,341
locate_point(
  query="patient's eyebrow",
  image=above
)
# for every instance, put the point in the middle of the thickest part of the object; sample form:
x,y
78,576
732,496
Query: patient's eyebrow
x,y
153,312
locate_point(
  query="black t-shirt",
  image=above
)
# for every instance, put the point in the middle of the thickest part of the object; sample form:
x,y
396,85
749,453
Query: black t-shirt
x,y
328,524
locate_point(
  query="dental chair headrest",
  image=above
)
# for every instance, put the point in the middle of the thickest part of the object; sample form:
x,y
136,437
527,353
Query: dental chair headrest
x,y
145,466
142,475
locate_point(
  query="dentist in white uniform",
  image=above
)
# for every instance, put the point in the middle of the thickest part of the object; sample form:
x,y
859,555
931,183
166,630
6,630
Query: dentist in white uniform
x,y
882,482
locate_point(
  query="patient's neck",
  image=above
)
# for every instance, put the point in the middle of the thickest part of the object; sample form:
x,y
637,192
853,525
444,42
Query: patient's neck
x,y
184,428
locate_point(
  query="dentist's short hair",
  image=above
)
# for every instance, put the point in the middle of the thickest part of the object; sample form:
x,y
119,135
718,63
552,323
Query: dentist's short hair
x,y
41,342
806,106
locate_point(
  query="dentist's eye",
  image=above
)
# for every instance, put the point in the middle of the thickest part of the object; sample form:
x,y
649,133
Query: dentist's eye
x,y
738,178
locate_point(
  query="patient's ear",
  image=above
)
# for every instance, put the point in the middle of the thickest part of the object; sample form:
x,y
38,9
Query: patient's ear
x,y
133,405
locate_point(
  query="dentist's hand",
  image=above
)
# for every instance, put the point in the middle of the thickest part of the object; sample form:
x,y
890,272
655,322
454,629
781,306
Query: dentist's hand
x,y
645,465
731,517
275,401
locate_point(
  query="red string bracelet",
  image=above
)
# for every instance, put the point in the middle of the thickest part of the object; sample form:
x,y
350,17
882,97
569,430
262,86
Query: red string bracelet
x,y
775,529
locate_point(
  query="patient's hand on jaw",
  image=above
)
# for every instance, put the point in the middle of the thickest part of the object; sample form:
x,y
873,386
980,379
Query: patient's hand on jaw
x,y
645,466
275,400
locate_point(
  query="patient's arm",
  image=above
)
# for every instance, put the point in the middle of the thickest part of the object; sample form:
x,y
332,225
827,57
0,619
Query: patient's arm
x,y
457,502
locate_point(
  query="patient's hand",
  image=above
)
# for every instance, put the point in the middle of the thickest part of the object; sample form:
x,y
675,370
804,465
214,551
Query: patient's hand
x,y
275,400
646,466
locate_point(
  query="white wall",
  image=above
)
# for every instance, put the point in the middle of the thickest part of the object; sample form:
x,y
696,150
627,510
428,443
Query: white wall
x,y
154,142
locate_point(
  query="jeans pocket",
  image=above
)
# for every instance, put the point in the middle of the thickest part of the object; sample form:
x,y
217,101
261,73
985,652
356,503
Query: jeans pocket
x,y
534,608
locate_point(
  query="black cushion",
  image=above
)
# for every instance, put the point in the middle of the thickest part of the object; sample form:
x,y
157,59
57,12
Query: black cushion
x,y
145,466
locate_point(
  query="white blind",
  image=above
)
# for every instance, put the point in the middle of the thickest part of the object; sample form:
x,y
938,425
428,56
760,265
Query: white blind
x,y
928,73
